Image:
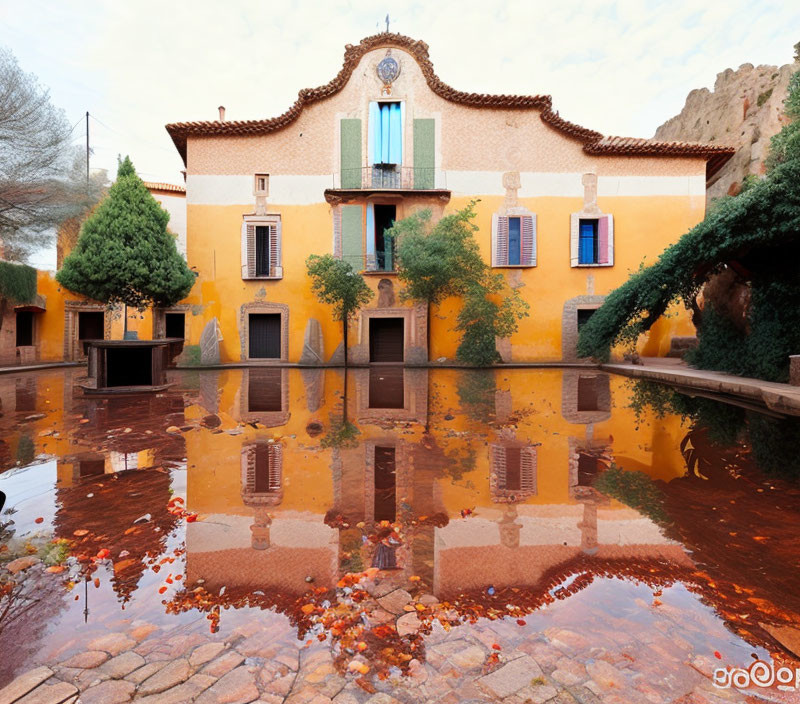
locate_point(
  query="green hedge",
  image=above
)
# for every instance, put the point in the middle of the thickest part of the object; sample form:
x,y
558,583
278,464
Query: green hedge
x,y
17,282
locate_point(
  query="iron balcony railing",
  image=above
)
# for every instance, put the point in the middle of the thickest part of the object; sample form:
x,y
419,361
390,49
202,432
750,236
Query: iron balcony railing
x,y
390,177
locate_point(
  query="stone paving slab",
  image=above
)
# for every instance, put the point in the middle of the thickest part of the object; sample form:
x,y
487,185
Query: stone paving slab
x,y
782,398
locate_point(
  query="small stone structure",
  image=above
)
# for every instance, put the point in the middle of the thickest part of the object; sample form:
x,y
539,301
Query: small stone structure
x,y
130,366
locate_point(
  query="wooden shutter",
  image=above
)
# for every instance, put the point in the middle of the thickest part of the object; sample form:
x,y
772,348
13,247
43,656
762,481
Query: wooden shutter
x,y
502,240
352,236
528,470
350,144
250,250
374,134
498,465
275,268
574,238
249,467
605,239
395,134
424,153
528,223
275,460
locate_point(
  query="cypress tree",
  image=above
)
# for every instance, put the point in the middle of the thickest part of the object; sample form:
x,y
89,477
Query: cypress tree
x,y
125,253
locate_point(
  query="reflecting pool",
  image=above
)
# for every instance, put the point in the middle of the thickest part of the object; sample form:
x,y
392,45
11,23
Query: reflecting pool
x,y
453,536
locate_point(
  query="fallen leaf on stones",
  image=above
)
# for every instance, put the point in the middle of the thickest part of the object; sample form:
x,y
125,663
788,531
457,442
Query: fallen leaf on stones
x,y
55,569
80,532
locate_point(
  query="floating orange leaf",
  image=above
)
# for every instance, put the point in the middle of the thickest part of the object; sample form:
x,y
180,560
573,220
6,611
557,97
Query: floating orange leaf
x,y
39,520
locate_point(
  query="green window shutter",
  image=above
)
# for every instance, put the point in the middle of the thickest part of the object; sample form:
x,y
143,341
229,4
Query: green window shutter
x,y
351,153
352,236
424,153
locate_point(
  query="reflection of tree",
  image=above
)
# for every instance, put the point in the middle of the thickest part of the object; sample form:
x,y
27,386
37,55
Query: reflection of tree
x,y
634,489
109,515
476,392
744,540
774,440
26,451
27,608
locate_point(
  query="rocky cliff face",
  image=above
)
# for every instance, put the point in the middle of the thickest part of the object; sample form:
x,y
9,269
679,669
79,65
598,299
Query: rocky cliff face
x,y
744,110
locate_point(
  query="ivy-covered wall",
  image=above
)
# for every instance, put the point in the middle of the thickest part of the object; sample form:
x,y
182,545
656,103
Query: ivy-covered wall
x,y
17,282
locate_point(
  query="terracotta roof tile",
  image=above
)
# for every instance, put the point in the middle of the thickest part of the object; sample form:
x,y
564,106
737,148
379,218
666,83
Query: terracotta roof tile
x,y
593,142
158,186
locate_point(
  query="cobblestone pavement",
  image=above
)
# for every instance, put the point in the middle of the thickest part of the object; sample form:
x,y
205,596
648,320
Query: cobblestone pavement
x,y
258,663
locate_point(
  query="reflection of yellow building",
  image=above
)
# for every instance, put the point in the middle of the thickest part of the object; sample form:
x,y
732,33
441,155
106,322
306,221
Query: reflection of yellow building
x,y
564,214
274,495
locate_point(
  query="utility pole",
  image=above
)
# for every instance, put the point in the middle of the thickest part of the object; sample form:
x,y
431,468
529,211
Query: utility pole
x,y
87,152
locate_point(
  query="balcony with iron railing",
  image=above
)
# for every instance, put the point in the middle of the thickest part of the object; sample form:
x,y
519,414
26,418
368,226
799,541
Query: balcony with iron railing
x,y
390,177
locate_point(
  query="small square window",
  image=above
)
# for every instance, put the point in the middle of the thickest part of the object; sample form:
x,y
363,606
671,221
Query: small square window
x,y
261,186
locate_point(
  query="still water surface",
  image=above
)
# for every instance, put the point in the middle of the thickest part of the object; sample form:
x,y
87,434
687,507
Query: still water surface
x,y
536,506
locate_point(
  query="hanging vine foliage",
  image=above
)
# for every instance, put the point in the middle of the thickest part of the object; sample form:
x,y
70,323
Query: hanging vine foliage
x,y
17,282
757,235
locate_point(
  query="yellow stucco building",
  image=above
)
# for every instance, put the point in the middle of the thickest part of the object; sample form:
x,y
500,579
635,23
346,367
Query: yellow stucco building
x,y
565,213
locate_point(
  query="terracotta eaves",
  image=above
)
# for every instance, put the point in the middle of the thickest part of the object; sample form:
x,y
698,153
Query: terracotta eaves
x,y
593,142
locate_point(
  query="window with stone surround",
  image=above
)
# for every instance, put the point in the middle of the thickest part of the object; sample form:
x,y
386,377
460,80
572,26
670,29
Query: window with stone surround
x,y
261,247
512,472
591,240
514,239
262,469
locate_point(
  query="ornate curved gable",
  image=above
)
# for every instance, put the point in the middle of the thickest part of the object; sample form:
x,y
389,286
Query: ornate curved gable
x,y
593,142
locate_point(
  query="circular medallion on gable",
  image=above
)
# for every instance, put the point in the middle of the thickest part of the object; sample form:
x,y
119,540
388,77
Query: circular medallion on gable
x,y
388,70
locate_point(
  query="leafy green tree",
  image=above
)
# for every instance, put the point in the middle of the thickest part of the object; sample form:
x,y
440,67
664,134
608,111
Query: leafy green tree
x,y
491,310
335,282
125,253
435,262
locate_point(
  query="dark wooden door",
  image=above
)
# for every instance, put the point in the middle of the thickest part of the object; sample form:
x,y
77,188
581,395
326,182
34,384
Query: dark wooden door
x,y
265,336
386,387
386,340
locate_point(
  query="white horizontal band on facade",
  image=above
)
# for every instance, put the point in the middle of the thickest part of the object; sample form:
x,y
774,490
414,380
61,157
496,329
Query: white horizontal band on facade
x,y
569,185
214,189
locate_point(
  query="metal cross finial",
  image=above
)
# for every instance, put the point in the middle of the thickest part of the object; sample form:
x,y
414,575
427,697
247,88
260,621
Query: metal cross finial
x,y
387,23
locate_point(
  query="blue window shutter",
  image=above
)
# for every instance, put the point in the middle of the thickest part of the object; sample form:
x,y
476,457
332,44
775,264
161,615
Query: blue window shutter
x,y
395,134
514,240
384,133
374,133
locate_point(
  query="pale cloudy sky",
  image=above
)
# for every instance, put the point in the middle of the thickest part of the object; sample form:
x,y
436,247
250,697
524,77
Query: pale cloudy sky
x,y
618,67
